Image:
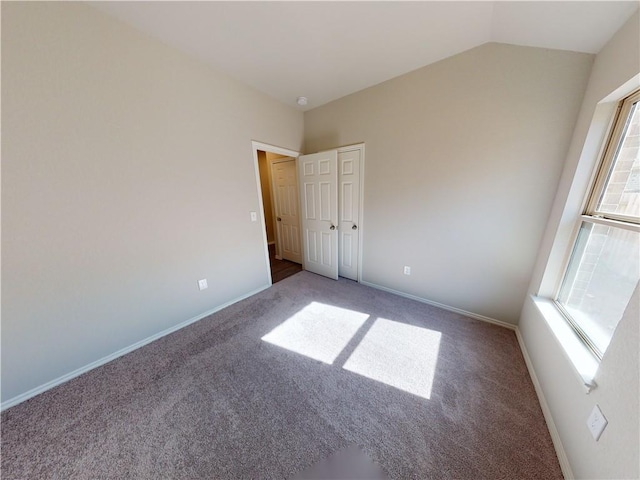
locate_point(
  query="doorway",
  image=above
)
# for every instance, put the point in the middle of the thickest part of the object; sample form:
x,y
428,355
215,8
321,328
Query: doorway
x,y
279,203
283,186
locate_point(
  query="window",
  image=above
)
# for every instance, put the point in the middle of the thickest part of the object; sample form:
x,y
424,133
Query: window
x,y
604,267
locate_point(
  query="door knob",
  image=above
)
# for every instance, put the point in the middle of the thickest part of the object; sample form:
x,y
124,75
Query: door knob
x,y
355,227
278,219
332,227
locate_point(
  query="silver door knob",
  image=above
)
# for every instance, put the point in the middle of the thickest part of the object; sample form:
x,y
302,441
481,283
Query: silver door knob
x,y
332,227
355,227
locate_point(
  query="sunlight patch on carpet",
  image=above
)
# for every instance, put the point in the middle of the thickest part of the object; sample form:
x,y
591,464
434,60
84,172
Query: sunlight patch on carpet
x,y
318,331
400,355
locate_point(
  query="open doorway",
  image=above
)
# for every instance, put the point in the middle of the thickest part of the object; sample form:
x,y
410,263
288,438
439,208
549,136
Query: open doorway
x,y
277,179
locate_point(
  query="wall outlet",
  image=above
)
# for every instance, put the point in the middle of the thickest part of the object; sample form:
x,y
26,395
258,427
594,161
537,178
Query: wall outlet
x,y
254,216
596,423
407,270
202,284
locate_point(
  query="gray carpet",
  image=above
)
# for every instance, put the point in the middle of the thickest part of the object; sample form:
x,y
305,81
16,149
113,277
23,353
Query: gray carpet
x,y
418,392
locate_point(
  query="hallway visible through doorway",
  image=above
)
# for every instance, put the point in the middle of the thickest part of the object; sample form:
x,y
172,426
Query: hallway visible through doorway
x,y
281,269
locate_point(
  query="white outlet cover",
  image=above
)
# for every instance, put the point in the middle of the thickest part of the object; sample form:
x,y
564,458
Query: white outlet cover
x,y
596,423
254,216
202,284
407,270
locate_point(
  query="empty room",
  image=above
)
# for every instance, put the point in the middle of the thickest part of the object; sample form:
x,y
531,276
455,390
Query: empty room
x,y
337,240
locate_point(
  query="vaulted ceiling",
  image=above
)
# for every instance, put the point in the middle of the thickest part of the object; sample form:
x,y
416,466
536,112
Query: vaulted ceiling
x,y
326,50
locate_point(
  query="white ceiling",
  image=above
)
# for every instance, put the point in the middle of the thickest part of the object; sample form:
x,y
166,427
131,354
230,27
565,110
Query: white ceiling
x,y
326,50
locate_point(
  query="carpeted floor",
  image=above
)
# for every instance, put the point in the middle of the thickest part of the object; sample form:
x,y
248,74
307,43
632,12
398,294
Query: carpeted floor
x,y
418,391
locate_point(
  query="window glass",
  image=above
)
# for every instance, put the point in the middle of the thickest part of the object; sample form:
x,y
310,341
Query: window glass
x,y
621,194
603,272
604,267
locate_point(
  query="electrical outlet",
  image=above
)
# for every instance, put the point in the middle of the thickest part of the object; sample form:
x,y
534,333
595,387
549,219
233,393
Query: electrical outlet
x,y
254,216
407,270
596,423
202,284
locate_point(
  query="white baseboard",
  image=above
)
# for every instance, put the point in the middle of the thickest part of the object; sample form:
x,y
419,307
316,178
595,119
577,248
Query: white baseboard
x,y
546,411
500,323
65,378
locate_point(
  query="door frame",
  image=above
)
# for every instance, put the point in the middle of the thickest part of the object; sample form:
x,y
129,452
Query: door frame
x,y
265,147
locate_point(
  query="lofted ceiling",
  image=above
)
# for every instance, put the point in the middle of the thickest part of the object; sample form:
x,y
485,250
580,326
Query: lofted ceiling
x,y
326,50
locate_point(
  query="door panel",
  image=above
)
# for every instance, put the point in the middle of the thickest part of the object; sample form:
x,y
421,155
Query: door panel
x,y
325,201
288,221
310,204
319,182
349,199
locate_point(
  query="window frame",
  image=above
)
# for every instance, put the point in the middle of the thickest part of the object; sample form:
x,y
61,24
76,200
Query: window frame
x,y
590,213
596,191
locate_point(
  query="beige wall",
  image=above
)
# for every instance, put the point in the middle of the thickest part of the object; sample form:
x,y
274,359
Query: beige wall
x,y
617,453
463,159
127,175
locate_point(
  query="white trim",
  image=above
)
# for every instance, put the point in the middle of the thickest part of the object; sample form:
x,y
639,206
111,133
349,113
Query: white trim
x,y
476,316
584,364
265,147
611,222
565,466
255,146
576,192
71,375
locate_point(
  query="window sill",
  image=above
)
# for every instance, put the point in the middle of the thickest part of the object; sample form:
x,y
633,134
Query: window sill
x,y
584,363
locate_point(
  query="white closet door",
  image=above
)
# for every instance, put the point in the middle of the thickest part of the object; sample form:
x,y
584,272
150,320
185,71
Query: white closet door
x,y
318,175
349,210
